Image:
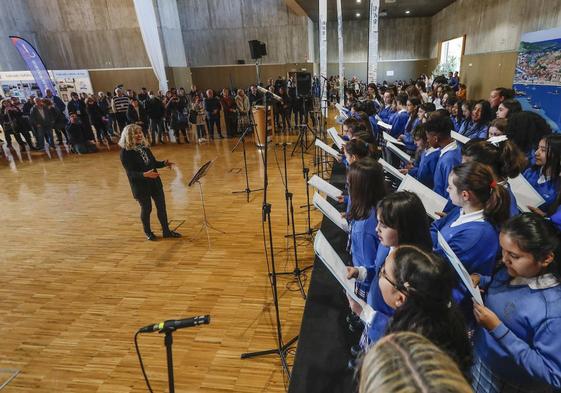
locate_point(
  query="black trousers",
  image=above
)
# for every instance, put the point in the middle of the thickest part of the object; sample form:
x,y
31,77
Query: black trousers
x,y
145,201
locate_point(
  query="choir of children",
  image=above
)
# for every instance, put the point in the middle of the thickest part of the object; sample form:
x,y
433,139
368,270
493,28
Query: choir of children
x,y
511,342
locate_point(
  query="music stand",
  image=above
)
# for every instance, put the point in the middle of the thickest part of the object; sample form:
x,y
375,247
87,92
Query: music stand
x,y
247,190
196,179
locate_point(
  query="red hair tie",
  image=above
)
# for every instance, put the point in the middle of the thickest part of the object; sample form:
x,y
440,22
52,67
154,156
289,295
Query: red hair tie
x,y
493,184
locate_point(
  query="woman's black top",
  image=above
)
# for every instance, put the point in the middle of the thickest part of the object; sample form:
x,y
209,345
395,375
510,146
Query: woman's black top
x,y
136,162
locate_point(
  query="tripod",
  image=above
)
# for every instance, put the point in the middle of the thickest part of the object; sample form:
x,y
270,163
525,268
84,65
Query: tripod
x,y
281,347
242,141
302,140
297,272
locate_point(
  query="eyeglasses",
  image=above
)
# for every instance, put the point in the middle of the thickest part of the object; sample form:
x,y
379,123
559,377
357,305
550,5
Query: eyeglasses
x,y
385,275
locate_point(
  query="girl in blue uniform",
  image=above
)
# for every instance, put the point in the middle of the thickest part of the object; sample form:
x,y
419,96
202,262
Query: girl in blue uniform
x,y
438,137
467,108
366,188
526,129
418,286
401,117
427,157
517,343
480,118
470,228
505,158
401,220
454,106
544,174
413,105
387,112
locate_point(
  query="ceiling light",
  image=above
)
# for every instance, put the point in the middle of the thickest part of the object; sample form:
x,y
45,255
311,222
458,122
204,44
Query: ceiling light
x,y
358,15
358,1
407,12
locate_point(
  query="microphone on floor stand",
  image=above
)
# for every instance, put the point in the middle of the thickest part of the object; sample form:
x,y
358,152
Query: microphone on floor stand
x,y
174,324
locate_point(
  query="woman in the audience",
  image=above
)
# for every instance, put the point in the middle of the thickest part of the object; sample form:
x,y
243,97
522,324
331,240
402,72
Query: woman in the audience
x,y
471,228
407,361
505,158
508,107
526,129
545,173
517,343
480,118
401,220
418,286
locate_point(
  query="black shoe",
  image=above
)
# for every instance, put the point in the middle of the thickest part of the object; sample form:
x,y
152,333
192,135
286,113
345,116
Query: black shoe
x,y
171,234
151,236
220,136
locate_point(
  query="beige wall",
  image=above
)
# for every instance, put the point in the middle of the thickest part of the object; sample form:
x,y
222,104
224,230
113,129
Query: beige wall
x,y
132,78
492,30
240,76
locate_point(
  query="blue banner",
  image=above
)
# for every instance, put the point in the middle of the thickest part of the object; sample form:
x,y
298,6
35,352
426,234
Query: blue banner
x,y
34,63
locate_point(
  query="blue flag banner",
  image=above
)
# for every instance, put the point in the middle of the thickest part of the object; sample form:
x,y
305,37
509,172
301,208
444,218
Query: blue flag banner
x,y
34,63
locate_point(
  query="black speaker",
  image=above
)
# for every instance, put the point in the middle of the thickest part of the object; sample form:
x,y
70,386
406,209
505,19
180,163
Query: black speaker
x,y
303,84
240,61
258,49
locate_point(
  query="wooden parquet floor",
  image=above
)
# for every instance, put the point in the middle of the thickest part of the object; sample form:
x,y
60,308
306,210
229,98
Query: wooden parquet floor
x,y
78,278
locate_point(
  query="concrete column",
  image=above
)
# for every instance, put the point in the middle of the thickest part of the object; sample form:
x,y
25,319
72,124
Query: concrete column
x,y
373,41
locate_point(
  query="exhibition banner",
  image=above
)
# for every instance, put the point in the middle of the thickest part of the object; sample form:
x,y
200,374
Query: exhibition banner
x,y
34,63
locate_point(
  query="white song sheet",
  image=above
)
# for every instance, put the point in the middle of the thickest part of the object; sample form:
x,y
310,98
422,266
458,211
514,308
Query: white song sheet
x,y
460,269
330,212
459,137
328,149
398,152
333,262
323,186
525,194
339,142
388,138
384,125
390,169
432,201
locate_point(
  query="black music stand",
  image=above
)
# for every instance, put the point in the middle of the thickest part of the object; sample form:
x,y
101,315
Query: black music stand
x,y
247,190
196,179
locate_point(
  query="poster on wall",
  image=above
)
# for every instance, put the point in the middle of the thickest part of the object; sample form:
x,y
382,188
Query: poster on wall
x,y
537,77
22,84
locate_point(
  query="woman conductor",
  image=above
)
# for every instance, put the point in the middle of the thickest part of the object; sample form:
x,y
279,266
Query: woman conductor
x,y
141,167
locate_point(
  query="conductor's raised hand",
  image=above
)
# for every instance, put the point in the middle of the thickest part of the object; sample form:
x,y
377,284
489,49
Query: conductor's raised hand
x,y
352,272
151,174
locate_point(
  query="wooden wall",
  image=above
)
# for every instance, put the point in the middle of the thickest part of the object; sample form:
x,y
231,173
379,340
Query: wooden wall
x,y
131,78
241,76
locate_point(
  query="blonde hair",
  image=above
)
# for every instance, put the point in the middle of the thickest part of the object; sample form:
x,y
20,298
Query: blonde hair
x,y
127,137
407,362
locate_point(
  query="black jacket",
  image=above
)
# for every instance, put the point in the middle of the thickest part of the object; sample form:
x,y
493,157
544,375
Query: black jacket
x,y
154,108
135,166
133,117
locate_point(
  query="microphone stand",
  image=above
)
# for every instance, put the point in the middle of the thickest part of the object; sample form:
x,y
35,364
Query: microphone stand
x,y
168,341
242,141
281,347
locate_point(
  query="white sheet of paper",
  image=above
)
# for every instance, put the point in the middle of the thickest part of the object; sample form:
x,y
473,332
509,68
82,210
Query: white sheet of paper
x,y
432,201
332,132
525,194
384,125
400,153
459,137
391,139
330,212
328,149
495,140
323,186
390,169
460,269
333,262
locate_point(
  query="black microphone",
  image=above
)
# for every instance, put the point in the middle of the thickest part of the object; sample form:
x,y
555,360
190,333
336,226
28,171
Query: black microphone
x,y
174,324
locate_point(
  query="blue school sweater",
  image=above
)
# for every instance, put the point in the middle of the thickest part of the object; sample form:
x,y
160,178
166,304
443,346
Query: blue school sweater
x,y
399,121
450,156
425,166
474,240
556,218
364,244
525,349
457,123
464,126
546,188
408,139
477,131
386,114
